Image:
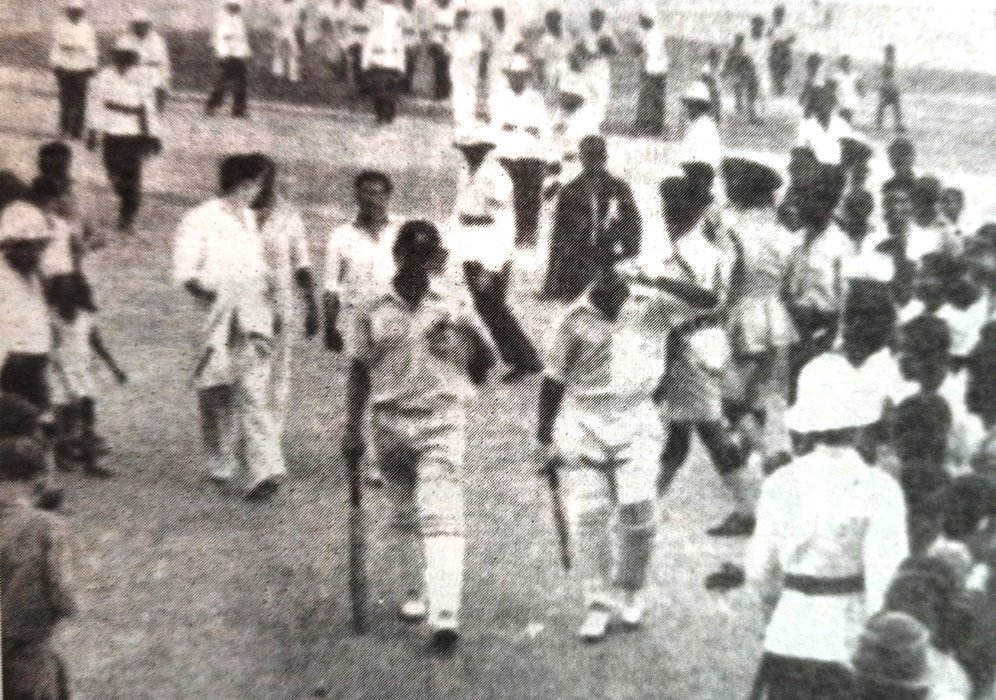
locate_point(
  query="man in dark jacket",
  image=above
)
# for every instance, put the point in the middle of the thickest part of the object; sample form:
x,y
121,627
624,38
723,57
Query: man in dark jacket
x,y
596,223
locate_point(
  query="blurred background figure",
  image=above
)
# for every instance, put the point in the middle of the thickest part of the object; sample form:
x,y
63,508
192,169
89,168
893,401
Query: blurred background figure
x,y
73,59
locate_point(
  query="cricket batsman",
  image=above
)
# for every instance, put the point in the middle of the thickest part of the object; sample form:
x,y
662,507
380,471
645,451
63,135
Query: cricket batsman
x,y
416,353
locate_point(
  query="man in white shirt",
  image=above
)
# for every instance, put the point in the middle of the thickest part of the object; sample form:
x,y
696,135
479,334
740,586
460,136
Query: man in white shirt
x,y
358,256
288,23
501,40
780,38
822,131
25,335
123,112
831,532
466,48
73,59
701,143
411,30
154,67
524,124
383,60
651,110
439,49
552,55
482,242
849,89
219,258
599,45
232,50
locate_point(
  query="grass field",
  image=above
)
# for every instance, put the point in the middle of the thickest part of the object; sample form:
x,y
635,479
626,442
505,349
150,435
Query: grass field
x,y
188,592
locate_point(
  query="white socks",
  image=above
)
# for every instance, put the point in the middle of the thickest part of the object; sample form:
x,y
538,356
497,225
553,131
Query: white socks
x,y
444,577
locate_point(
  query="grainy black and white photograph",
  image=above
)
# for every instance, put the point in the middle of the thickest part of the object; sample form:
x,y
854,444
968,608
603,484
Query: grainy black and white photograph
x,y
498,349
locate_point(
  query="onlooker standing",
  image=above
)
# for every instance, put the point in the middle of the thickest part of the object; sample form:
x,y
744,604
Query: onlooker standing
x,y
153,57
831,533
288,24
781,39
73,59
849,90
552,55
466,48
439,49
411,31
358,27
651,110
739,70
890,96
232,49
383,60
599,45
123,112
757,46
501,41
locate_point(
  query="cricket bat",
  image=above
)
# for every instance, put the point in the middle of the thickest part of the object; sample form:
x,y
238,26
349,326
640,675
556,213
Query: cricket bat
x,y
559,518
357,572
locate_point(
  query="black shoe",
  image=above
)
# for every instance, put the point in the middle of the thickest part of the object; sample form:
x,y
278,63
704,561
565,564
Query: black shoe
x,y
444,640
49,498
735,525
263,490
519,373
728,577
97,471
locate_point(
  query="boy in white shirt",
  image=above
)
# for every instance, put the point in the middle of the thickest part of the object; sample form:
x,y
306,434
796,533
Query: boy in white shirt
x,y
153,57
74,60
850,90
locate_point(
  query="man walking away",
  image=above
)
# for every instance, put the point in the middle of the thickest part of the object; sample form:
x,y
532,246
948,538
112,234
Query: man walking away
x,y
153,57
651,110
439,50
73,59
232,49
383,61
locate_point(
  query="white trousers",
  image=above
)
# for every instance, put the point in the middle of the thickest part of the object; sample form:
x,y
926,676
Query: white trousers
x,y
287,60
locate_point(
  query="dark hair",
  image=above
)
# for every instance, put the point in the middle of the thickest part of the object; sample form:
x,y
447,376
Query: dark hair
x,y
44,190
54,159
418,241
11,188
268,186
21,459
18,416
967,501
372,176
928,335
236,170
71,289
926,588
920,431
902,146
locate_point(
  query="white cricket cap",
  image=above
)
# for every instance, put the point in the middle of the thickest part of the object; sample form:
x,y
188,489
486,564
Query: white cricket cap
x,y
125,43
23,223
697,92
832,396
141,15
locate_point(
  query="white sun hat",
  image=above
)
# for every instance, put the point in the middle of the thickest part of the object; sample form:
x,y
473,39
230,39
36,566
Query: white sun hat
x,y
832,396
697,92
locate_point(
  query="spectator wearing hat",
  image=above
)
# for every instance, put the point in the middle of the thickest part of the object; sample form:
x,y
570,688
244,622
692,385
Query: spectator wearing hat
x,y
701,143
232,51
523,148
689,395
483,244
930,591
466,49
124,116
383,60
74,60
596,223
598,44
892,659
415,355
154,65
781,38
831,533
34,576
26,339
651,106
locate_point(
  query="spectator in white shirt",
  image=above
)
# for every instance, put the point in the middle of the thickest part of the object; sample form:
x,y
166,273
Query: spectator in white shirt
x,y
25,336
850,90
524,123
831,533
484,245
466,48
383,60
232,50
73,59
123,112
502,40
413,39
358,21
651,109
288,25
220,257
599,44
822,131
154,66
552,55
440,50
701,142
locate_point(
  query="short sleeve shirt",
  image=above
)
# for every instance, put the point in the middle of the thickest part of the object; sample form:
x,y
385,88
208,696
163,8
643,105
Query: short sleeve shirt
x,y
356,262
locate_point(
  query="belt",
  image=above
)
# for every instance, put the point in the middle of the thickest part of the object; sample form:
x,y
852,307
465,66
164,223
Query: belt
x,y
824,585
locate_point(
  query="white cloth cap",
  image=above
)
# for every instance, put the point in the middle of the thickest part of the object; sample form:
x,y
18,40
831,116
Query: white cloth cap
x,y
832,396
475,133
126,42
697,92
140,14
23,223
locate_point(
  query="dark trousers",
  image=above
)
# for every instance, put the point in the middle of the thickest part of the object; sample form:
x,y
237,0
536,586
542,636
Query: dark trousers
x,y
781,67
383,86
651,106
77,429
72,87
441,85
33,671
489,291
726,456
788,678
233,76
889,98
354,57
527,176
25,375
411,62
123,156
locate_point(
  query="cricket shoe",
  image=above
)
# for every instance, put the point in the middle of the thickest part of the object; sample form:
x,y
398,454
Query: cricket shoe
x,y
445,633
631,608
264,489
595,626
375,478
414,610
735,525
